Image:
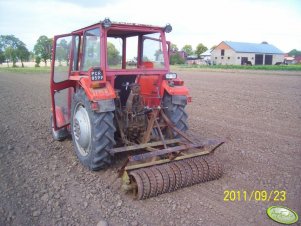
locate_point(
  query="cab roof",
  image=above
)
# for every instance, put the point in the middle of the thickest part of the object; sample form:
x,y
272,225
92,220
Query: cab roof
x,y
128,26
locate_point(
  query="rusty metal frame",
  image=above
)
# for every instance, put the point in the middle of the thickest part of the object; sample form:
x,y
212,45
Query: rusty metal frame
x,y
166,150
142,165
143,146
177,158
159,152
178,148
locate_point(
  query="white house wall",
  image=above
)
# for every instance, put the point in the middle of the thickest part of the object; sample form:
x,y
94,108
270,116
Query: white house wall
x,y
233,58
216,57
278,58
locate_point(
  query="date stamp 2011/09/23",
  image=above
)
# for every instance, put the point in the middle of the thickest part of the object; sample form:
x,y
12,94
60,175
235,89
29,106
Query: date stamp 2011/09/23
x,y
254,195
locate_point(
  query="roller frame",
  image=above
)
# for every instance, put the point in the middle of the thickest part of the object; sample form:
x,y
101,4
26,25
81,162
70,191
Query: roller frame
x,y
169,164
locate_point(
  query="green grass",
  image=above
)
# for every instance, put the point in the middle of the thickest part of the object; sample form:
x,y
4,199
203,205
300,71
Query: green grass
x,y
296,67
46,70
26,70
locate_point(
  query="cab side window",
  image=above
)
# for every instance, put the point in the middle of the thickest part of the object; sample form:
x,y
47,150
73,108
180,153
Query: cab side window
x,y
61,61
91,55
76,48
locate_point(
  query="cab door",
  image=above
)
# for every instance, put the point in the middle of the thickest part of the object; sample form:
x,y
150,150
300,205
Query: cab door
x,y
64,59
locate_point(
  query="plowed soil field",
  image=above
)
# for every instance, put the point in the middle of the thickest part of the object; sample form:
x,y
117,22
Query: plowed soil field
x,y
42,182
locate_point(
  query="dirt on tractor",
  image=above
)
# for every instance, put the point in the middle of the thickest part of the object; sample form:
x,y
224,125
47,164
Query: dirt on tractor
x,y
43,183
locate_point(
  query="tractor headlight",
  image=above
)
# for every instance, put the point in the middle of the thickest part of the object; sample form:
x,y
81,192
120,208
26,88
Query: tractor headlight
x,y
171,75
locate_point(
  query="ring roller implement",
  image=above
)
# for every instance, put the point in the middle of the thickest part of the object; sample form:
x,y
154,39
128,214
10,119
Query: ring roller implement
x,y
150,179
153,181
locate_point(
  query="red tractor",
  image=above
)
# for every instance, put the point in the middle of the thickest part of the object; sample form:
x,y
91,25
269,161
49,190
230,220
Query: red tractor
x,y
112,90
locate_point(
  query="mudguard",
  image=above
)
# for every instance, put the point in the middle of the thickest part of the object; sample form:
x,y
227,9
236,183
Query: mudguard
x,y
104,92
176,90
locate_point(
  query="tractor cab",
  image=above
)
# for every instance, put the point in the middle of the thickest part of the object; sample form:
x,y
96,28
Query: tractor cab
x,y
111,56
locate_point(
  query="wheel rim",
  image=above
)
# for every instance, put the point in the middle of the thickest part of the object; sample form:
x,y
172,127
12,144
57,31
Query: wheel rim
x,y
82,129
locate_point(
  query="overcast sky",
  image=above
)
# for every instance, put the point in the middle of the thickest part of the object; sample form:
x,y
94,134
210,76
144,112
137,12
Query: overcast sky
x,y
209,22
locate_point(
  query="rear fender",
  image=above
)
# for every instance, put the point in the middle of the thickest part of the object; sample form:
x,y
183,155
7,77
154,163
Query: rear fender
x,y
104,92
102,97
176,90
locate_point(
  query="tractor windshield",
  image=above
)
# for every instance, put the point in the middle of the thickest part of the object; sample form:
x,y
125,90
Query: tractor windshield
x,y
151,50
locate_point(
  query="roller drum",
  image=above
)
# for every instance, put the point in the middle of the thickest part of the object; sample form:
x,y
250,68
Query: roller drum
x,y
158,179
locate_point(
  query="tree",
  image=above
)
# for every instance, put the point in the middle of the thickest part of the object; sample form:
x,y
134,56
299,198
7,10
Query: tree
x,y
113,54
43,48
188,49
174,48
23,54
294,53
200,49
2,57
31,56
176,59
13,49
10,55
38,61
62,52
8,46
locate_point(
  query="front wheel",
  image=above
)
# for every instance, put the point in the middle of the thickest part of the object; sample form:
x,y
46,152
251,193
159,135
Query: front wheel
x,y
92,133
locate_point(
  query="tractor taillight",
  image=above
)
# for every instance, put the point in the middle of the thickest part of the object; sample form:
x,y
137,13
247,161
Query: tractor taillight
x,y
178,82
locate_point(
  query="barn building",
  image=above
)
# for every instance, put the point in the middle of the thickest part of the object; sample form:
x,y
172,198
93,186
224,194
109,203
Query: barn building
x,y
241,53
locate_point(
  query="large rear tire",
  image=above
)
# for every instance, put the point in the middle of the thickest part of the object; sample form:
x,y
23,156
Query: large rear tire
x,y
92,133
176,113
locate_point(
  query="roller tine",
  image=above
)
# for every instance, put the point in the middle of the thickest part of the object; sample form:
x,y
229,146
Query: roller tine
x,y
213,168
220,166
203,167
166,178
159,180
189,173
200,171
139,192
171,176
195,173
153,181
146,184
178,176
182,172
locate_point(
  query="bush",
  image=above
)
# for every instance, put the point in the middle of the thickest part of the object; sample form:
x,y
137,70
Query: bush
x,y
38,61
176,59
